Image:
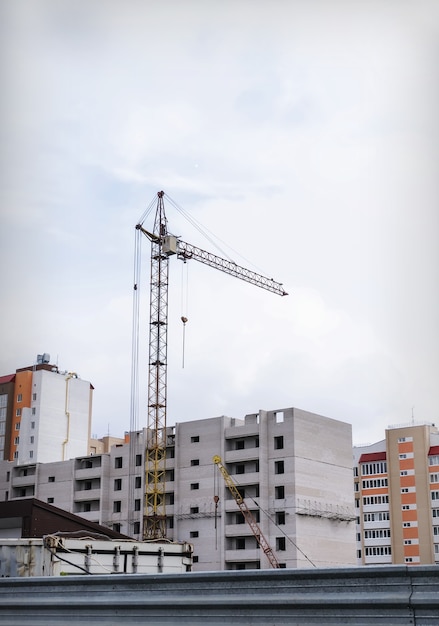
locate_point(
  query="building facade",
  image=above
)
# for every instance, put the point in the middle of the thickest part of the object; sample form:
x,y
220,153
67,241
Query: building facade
x,y
396,484
294,469
45,414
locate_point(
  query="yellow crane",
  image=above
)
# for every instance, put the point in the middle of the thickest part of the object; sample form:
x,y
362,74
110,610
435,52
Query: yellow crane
x,y
248,515
163,246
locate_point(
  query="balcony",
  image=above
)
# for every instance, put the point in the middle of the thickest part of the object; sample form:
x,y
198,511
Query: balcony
x,y
88,473
87,494
237,456
238,556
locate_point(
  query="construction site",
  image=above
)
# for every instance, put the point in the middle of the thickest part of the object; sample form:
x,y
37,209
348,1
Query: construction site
x,y
190,504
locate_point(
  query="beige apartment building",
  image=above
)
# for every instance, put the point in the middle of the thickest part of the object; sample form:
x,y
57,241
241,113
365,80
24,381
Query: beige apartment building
x,y
396,484
293,467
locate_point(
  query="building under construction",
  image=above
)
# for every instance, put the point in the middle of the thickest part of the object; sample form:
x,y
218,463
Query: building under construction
x,y
293,468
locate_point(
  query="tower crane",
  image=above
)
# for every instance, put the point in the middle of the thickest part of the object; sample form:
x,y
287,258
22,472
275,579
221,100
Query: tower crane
x,y
163,246
248,515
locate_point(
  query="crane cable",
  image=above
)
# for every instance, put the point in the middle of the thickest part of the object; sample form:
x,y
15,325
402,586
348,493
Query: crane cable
x,y
134,405
282,531
211,237
184,302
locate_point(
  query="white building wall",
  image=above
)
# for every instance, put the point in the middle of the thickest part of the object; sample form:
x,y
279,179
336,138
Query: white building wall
x,y
57,426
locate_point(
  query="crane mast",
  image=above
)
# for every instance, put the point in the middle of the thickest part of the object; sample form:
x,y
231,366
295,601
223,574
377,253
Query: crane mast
x,y
248,515
164,245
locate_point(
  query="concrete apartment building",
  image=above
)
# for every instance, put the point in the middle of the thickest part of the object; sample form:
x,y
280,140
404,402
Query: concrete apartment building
x,y
396,485
45,414
293,467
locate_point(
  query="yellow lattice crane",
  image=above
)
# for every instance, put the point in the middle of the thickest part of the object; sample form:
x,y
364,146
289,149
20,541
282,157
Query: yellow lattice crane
x,y
163,246
248,515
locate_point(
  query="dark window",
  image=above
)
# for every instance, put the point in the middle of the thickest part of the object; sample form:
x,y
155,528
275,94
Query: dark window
x,y
136,528
138,460
50,500
240,469
194,510
117,506
137,504
51,479
118,462
278,443
240,543
195,462
280,518
194,533
280,544
195,439
117,527
195,485
118,484
239,444
138,482
279,467
279,492
87,485
87,507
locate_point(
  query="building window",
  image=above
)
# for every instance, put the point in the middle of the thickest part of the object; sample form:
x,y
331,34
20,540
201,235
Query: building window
x,y
50,500
16,441
118,484
32,438
137,504
195,439
18,412
32,425
280,544
240,469
34,411
34,396
17,426
280,518
20,397
118,462
117,527
87,507
31,454
194,510
195,462
138,460
193,534
279,415
195,485
138,482
240,543
51,479
279,443
239,444
136,528
117,506
279,492
279,467
16,454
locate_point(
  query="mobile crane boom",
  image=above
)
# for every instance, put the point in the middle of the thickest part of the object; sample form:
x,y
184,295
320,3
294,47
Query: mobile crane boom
x,y
248,515
163,246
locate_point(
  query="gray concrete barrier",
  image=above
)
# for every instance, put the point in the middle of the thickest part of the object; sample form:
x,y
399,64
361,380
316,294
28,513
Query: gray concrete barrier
x,y
394,595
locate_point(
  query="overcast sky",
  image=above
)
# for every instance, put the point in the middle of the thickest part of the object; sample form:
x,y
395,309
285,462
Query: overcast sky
x,y
303,134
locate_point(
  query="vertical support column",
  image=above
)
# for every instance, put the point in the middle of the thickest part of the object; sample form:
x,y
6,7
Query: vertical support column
x,y
154,526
